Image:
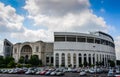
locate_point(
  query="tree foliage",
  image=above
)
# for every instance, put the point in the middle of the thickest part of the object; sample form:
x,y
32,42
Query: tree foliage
x,y
34,60
112,63
21,60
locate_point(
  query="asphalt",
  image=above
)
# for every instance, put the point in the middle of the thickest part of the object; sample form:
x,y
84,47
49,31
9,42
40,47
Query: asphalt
x,y
66,75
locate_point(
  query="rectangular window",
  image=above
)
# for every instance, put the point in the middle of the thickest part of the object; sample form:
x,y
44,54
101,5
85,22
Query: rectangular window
x,y
97,40
51,59
71,38
90,39
103,42
81,39
37,49
59,38
47,59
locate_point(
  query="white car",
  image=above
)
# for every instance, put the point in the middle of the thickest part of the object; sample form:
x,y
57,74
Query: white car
x,y
82,73
53,73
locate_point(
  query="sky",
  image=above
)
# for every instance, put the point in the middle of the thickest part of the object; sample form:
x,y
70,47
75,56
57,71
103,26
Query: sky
x,y
33,20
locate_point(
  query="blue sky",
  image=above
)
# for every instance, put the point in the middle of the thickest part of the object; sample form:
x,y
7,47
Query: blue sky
x,y
32,20
111,12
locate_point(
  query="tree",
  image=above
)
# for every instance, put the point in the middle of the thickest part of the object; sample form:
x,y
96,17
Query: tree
x,y
112,63
85,63
118,62
11,64
34,60
7,60
2,62
21,60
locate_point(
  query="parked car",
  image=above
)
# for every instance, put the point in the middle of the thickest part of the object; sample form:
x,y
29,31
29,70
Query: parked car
x,y
82,73
110,73
48,72
53,73
29,72
43,72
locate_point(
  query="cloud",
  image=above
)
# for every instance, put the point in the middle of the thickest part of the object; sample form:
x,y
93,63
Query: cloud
x,y
65,15
117,43
33,35
9,20
56,7
1,47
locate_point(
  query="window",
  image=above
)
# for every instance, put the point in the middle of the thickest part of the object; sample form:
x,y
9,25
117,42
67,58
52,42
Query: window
x,y
97,40
47,59
37,49
69,59
103,42
80,59
90,39
63,59
57,59
74,59
59,38
81,39
71,38
52,59
15,50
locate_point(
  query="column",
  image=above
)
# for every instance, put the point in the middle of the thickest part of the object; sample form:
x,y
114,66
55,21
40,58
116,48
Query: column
x,y
54,60
82,58
92,59
77,64
87,58
60,59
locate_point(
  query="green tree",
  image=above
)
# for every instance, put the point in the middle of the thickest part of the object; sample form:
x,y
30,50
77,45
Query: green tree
x,y
2,62
85,63
112,63
11,64
7,60
34,60
21,60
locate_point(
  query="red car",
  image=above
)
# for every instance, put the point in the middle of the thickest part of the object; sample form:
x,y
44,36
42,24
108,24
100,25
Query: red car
x,y
117,75
43,72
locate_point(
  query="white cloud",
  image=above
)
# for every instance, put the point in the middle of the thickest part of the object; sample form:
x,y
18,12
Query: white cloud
x,y
65,15
117,43
56,7
1,47
33,35
9,20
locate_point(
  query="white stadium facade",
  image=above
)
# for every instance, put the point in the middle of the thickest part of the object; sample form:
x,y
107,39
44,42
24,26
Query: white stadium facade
x,y
69,49
78,48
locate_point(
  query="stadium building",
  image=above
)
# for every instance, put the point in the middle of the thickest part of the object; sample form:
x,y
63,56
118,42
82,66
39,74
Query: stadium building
x,y
69,49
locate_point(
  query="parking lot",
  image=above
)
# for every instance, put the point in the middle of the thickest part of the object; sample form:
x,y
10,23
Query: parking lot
x,y
66,75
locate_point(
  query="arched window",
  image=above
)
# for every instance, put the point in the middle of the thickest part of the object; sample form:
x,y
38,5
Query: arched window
x,y
97,57
103,61
93,58
47,59
69,59
74,59
89,56
85,60
63,60
26,50
57,59
80,59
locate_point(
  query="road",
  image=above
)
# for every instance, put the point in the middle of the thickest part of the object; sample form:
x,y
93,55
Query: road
x,y
66,75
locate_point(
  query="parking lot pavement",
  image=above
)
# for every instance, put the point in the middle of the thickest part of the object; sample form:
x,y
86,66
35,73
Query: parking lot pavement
x,y
66,75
